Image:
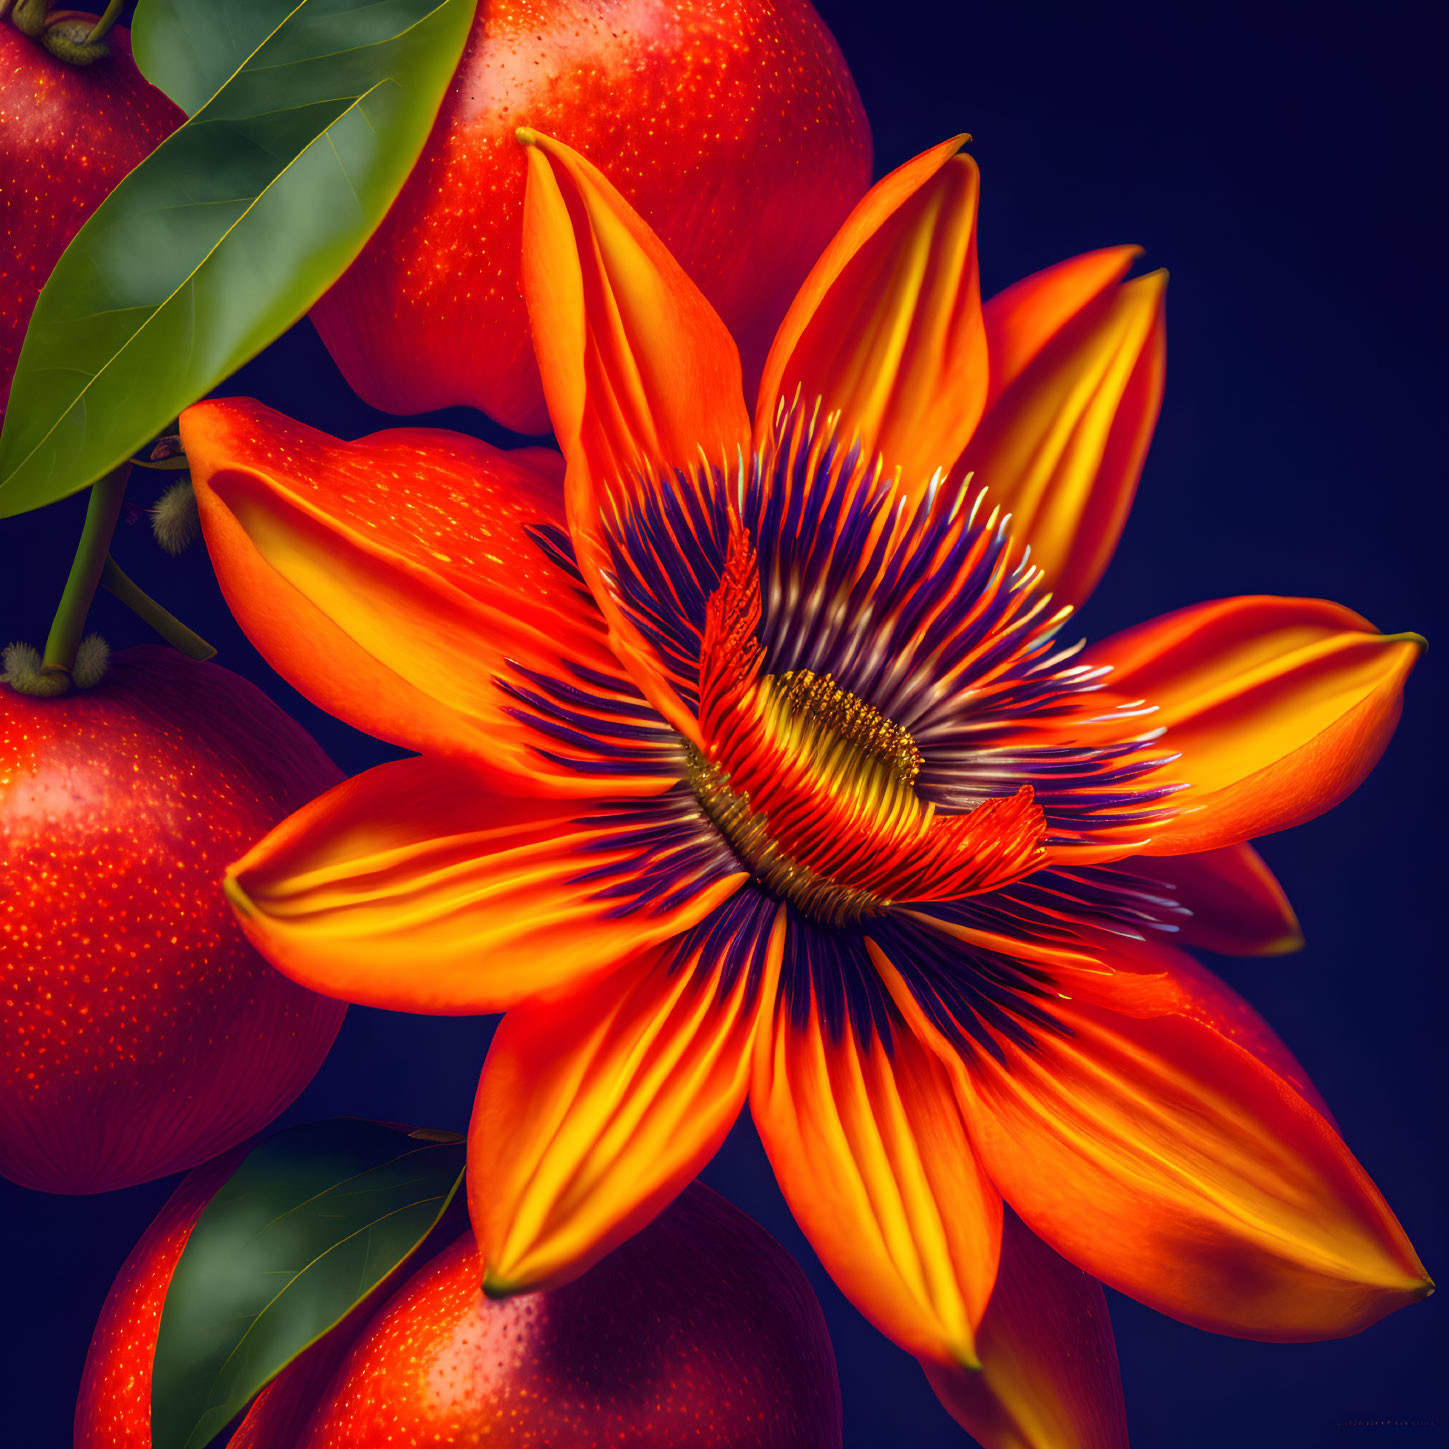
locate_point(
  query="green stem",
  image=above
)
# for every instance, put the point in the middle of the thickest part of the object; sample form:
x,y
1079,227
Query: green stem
x,y
102,512
108,19
167,625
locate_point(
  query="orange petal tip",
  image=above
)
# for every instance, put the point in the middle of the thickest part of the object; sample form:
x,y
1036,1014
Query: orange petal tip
x,y
498,1288
1286,944
241,902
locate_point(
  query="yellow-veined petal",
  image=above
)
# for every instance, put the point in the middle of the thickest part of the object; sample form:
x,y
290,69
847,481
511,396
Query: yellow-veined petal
x,y
595,1109
1279,708
1147,1141
640,374
887,328
1062,447
413,888
395,582
870,1150
1048,1377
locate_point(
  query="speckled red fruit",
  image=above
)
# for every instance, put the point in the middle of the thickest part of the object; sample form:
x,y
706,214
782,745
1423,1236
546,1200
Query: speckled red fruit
x,y
113,1409
701,1330
139,1032
67,136
732,125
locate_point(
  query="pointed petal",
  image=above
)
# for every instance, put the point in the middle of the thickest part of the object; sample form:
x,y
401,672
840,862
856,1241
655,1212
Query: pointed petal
x,y
1048,1376
1173,981
887,328
871,1153
411,887
638,368
1061,449
1155,1150
1238,907
1279,707
1029,314
395,582
594,1111
640,374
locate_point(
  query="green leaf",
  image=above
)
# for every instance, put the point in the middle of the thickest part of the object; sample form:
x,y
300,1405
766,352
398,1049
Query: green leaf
x,y
303,1231
190,51
225,234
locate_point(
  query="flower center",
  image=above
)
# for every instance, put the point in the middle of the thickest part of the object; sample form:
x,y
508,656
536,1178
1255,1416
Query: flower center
x,y
834,726
855,752
813,787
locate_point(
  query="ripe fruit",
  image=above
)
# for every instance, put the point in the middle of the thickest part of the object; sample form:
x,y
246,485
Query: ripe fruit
x,y
114,1407
732,125
113,1410
700,1330
140,1034
67,136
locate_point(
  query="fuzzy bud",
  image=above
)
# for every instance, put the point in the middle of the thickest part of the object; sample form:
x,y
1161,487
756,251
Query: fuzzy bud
x,y
23,673
92,659
175,521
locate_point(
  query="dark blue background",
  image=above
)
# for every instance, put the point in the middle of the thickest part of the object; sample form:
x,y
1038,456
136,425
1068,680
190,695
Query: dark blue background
x,y
1287,164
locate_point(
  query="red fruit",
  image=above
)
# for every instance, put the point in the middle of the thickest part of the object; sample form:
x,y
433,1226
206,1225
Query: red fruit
x,y
732,125
67,136
700,1330
140,1034
113,1410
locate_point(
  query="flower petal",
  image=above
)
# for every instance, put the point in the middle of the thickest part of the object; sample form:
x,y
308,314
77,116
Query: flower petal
x,y
640,374
870,1150
887,328
394,581
1154,1149
411,887
1062,448
1172,981
1029,314
1238,908
1048,1377
595,1110
1279,708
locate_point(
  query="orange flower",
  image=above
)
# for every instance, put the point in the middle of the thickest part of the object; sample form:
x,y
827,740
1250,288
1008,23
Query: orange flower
x,y
754,767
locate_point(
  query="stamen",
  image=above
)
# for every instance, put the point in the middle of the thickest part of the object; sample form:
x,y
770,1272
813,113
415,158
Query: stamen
x,y
828,722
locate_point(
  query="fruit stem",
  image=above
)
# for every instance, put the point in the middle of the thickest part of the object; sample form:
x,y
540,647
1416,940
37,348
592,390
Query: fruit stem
x,y
117,583
108,18
102,511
